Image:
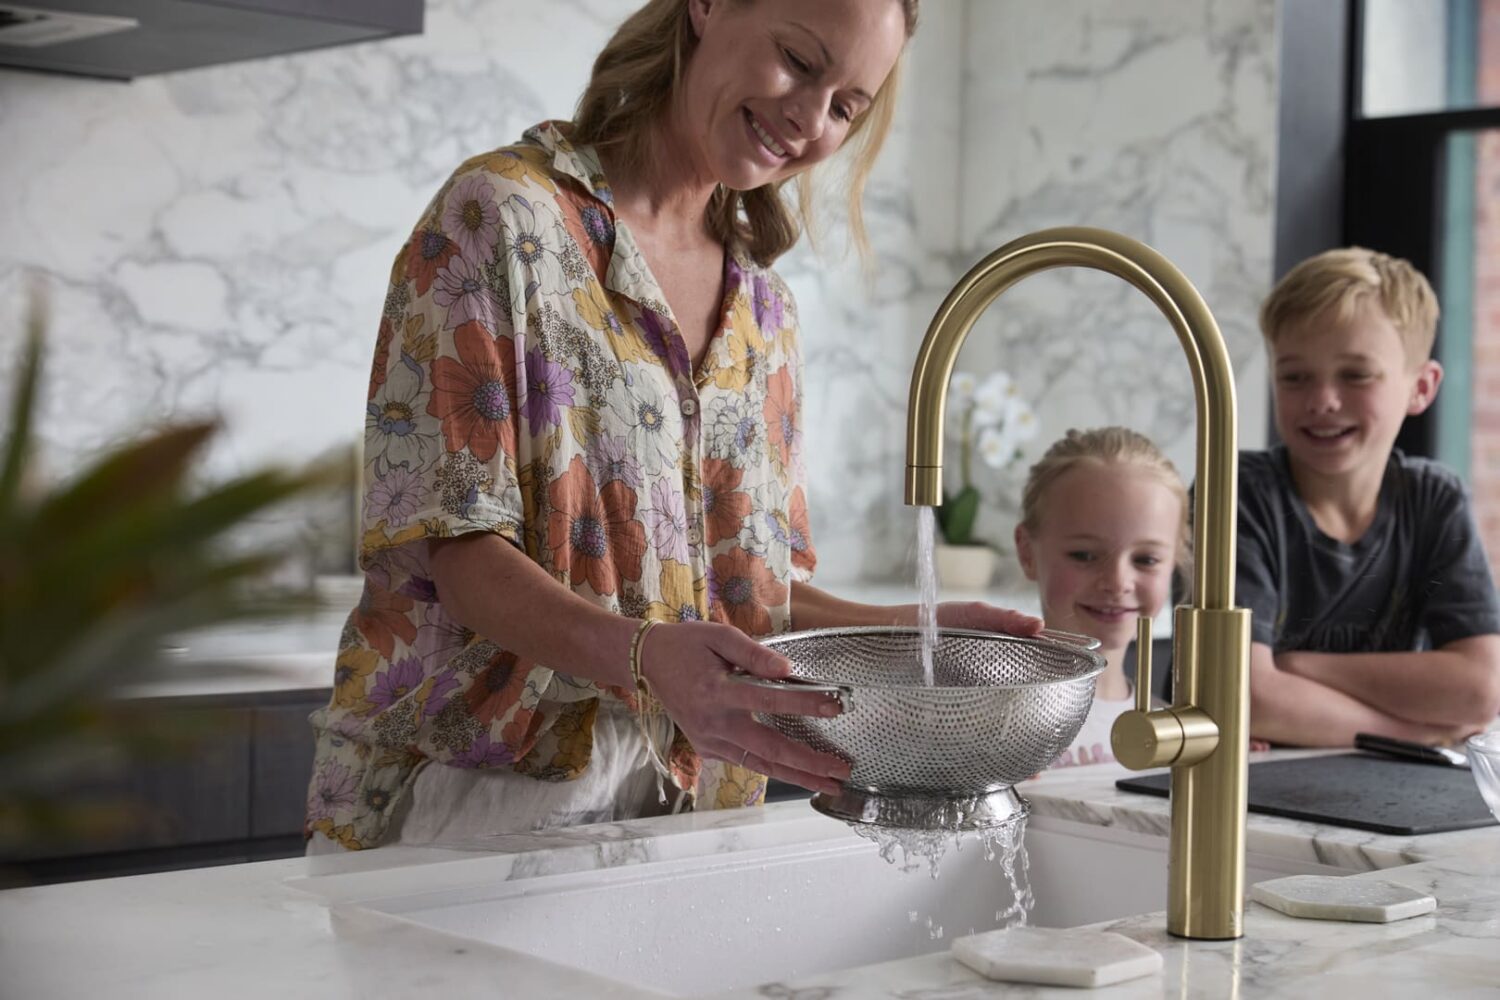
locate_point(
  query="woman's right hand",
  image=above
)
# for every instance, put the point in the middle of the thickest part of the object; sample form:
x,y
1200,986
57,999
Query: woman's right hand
x,y
688,666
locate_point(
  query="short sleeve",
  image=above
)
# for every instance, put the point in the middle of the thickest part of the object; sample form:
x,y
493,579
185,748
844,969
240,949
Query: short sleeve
x,y
442,421
804,555
1458,590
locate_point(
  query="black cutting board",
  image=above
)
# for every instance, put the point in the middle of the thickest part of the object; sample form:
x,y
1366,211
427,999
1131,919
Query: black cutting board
x,y
1357,790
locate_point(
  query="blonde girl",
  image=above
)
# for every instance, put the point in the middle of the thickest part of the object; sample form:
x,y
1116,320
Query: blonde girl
x,y
1103,526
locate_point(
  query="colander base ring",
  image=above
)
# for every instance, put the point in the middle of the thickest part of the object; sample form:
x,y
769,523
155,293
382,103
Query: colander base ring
x,y
908,811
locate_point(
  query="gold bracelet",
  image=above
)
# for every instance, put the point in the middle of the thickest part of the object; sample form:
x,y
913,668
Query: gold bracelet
x,y
649,712
646,703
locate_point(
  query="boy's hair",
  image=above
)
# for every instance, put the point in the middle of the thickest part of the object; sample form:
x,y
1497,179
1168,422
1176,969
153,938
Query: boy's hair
x,y
1104,446
1336,284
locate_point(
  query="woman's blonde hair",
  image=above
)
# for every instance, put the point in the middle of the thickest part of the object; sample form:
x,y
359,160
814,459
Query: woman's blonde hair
x,y
632,85
1104,445
1336,284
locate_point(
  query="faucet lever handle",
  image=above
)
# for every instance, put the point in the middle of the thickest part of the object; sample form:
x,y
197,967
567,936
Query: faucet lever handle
x,y
1143,664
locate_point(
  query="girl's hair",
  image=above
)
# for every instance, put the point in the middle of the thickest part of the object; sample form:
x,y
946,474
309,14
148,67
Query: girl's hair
x,y
1104,445
632,86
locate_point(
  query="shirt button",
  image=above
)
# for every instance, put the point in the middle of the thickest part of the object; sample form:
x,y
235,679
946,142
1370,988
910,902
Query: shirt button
x,y
695,535
689,407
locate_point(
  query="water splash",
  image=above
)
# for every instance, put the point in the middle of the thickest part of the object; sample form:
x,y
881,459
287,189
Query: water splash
x,y
927,587
915,845
1005,843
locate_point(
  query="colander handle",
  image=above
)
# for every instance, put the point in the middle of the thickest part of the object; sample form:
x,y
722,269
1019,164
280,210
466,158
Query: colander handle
x,y
1070,638
843,693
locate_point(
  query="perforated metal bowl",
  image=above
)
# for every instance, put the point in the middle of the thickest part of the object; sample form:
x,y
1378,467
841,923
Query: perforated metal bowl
x,y
1000,709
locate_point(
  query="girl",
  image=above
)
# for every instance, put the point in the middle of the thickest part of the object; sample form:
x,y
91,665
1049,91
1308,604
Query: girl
x,y
1103,524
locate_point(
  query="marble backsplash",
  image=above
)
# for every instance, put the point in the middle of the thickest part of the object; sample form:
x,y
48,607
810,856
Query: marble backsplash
x,y
218,240
1155,119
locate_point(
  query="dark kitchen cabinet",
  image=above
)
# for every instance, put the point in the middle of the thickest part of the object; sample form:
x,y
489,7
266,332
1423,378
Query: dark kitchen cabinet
x,y
123,39
237,795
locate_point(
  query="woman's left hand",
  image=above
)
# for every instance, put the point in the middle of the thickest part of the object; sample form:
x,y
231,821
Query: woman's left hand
x,y
986,618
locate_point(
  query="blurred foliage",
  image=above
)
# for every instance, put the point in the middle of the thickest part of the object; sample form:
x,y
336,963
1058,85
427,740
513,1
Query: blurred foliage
x,y
956,517
94,574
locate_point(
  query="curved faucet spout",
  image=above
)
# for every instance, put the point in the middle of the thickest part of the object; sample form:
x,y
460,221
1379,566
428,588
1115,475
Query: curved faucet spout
x,y
1204,735
1180,303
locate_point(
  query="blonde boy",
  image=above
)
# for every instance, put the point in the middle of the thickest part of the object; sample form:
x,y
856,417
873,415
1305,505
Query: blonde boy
x,y
1374,608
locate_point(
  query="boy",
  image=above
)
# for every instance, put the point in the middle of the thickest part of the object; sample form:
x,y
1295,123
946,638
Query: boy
x,y
1374,609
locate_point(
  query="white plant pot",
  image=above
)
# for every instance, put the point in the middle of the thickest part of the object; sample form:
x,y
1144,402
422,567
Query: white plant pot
x,y
965,567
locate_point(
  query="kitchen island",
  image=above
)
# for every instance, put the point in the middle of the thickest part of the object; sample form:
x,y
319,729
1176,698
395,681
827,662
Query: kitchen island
x,y
294,928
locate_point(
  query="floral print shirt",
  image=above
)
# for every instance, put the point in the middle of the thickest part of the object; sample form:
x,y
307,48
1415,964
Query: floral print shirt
x,y
529,380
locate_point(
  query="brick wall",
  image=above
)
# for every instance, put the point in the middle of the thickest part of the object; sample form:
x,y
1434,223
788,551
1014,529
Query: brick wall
x,y
1485,457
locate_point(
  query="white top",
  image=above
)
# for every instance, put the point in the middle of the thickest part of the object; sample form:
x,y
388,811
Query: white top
x,y
1091,745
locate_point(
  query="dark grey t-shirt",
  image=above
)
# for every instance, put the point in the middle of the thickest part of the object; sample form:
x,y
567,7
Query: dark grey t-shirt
x,y
1417,579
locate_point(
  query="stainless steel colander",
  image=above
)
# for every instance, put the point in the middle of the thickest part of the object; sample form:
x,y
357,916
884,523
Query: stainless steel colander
x,y
1000,709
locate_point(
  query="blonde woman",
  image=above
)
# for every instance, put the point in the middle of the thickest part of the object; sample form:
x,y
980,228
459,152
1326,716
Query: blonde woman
x,y
584,490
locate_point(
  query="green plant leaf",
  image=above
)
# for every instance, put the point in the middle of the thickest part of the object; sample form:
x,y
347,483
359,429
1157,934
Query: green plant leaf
x,y
94,575
144,473
958,522
23,405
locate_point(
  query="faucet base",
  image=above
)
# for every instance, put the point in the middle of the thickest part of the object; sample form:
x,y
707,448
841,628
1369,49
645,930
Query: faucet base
x,y
900,811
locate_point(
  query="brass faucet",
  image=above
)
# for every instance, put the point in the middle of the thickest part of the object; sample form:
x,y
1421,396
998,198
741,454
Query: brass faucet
x,y
1204,737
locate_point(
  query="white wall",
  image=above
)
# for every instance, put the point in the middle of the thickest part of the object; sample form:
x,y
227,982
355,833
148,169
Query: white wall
x,y
219,240
1151,117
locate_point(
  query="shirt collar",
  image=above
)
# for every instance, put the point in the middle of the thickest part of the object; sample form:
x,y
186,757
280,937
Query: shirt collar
x,y
580,162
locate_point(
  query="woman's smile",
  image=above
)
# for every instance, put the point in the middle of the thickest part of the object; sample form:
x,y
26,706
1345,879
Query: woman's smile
x,y
767,147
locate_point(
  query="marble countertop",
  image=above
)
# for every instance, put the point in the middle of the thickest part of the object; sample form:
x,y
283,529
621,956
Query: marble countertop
x,y
1088,795
247,930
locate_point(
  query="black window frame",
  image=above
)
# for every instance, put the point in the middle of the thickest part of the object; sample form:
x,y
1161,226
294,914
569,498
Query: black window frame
x,y
1379,182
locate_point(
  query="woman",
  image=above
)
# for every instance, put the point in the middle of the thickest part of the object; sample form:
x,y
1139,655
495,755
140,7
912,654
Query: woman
x,y
583,469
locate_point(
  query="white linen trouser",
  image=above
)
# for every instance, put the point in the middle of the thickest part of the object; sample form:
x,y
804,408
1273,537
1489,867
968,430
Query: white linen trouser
x,y
459,805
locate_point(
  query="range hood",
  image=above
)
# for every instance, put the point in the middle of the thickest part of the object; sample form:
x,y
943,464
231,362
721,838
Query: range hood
x,y
123,39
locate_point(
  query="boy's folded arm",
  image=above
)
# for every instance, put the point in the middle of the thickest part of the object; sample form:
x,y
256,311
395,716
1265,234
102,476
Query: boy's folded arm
x,y
1294,710
1456,687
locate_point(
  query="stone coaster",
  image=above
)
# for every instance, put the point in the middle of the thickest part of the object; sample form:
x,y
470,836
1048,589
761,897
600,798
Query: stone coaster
x,y
1332,897
1056,956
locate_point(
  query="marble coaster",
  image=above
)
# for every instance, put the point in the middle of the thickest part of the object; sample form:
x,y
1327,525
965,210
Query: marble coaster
x,y
1332,897
1056,956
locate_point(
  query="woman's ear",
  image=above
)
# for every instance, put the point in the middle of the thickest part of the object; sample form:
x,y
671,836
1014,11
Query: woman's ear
x,y
698,15
1024,554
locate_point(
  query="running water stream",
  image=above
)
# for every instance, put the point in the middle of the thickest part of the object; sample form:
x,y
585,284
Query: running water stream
x,y
1006,842
927,586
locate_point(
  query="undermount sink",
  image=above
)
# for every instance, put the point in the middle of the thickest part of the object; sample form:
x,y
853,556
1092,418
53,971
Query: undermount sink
x,y
702,913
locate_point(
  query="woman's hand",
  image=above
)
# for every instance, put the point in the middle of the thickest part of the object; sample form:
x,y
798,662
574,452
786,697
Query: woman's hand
x,y
986,618
688,666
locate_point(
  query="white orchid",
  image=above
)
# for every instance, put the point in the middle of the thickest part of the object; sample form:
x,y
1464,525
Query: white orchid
x,y
1020,421
995,419
992,397
961,389
997,446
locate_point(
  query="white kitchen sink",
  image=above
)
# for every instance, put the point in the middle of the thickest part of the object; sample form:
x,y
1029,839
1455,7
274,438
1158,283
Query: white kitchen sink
x,y
775,902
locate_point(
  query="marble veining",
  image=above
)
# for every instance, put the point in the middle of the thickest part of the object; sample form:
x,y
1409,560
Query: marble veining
x,y
1089,800
218,240
261,929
